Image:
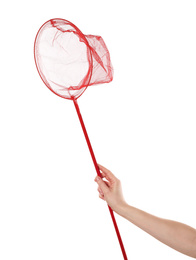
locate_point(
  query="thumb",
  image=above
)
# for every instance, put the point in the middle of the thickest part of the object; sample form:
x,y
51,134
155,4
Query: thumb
x,y
101,184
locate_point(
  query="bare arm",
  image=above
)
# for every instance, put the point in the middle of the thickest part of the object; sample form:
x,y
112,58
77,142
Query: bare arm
x,y
174,234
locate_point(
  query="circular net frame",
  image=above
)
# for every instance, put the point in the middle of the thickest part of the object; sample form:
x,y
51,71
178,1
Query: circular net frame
x,y
69,61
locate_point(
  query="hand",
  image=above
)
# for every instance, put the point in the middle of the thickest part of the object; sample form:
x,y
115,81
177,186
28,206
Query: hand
x,y
110,189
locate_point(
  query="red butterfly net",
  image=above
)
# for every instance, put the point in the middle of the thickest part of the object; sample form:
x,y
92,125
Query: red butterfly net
x,y
68,62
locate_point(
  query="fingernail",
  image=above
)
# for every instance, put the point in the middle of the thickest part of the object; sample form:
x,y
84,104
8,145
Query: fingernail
x,y
98,178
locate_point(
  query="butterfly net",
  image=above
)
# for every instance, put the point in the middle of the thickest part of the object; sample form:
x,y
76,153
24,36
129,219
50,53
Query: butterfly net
x,y
69,61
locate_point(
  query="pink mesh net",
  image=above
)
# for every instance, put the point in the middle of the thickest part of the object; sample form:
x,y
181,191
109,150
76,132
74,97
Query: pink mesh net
x,y
69,61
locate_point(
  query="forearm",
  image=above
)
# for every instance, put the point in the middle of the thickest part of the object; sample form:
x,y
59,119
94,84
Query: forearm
x,y
174,234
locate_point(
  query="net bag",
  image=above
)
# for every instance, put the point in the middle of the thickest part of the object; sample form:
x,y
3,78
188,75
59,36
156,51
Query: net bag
x,y
69,61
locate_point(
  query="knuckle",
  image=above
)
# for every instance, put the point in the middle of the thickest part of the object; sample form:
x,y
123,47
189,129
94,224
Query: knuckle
x,y
118,181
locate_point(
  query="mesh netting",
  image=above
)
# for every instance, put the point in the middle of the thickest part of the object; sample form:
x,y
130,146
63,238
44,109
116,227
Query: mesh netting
x,y
69,61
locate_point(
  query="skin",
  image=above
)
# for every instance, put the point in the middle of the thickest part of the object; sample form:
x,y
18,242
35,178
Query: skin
x,y
176,235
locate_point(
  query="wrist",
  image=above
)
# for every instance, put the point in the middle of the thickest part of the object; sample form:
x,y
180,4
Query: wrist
x,y
122,209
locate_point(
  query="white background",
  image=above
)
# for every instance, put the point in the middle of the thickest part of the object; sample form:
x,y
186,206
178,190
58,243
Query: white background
x,y
142,127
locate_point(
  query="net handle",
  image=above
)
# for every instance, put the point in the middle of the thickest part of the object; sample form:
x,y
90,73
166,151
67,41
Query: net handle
x,y
99,174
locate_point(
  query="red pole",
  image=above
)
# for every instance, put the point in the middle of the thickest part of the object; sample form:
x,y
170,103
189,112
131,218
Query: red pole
x,y
99,174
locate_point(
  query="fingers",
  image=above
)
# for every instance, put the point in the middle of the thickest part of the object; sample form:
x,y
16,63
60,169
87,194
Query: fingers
x,y
105,186
106,173
102,185
100,191
101,195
